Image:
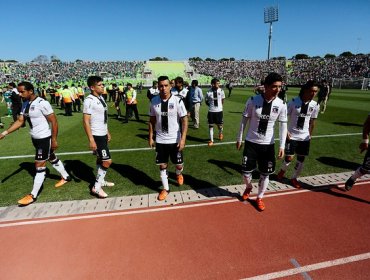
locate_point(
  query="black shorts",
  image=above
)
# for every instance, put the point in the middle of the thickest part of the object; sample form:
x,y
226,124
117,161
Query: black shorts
x,y
264,155
165,151
366,163
102,149
43,148
301,148
215,118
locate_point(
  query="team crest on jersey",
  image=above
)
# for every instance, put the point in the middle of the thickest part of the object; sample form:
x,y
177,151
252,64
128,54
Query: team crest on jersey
x,y
171,106
32,108
275,109
310,109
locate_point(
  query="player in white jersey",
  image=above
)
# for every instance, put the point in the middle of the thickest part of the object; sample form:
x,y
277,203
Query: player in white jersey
x,y
302,113
364,146
168,118
95,121
39,114
215,99
153,91
262,111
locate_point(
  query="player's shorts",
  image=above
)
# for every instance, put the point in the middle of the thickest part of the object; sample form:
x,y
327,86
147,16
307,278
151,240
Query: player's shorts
x,y
263,155
301,148
215,117
102,149
43,148
366,163
165,151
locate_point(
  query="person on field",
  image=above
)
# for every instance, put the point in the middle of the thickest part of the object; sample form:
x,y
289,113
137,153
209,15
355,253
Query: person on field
x,y
95,122
215,99
261,112
39,115
364,146
323,95
302,115
196,99
167,112
153,91
131,103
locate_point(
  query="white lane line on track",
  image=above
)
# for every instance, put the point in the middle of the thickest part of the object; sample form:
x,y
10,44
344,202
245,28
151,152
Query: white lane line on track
x,y
311,267
146,149
297,265
149,210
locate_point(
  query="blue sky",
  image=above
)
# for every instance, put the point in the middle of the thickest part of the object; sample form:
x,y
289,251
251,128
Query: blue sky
x,y
138,30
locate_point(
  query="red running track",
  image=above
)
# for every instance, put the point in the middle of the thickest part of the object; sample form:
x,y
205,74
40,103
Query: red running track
x,y
225,239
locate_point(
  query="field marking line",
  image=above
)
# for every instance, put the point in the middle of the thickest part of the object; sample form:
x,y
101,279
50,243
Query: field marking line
x,y
297,265
311,267
147,149
144,211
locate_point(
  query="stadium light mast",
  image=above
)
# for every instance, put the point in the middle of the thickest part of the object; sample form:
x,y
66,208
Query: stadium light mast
x,y
271,14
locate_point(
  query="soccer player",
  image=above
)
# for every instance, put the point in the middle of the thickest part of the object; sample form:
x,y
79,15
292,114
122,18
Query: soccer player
x,y
364,146
39,115
166,113
215,99
302,114
262,111
153,91
95,121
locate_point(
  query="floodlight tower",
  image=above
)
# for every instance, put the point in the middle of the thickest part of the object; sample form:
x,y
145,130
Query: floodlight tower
x,y
271,14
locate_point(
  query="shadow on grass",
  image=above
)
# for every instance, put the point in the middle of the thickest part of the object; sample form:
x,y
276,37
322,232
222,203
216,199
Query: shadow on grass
x,y
196,139
337,162
347,124
135,176
224,165
30,168
80,171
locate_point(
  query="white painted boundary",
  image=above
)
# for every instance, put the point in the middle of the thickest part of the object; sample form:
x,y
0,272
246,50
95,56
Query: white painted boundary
x,y
311,267
148,210
146,149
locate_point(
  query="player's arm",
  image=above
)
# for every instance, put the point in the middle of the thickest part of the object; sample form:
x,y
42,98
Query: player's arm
x,y
184,126
243,124
54,130
87,128
311,126
152,122
16,125
365,135
283,132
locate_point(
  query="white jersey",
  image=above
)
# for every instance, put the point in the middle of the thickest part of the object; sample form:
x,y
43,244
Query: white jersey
x,y
97,108
214,100
168,113
263,116
300,115
154,91
182,94
35,113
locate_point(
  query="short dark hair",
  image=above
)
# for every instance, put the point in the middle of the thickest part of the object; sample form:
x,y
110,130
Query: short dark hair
x,y
309,84
26,85
194,83
272,78
179,80
129,84
93,80
162,78
12,84
214,80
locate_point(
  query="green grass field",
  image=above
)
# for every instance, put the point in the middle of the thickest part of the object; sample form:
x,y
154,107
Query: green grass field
x,y
134,171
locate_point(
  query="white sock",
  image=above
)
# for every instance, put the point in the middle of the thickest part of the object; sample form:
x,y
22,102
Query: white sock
x,y
298,168
285,165
58,165
247,178
38,181
179,169
164,179
262,185
211,133
100,178
357,174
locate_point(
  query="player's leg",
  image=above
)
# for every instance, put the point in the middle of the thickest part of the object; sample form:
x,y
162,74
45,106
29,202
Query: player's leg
x,y
210,127
177,158
289,155
361,171
103,162
162,155
249,164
